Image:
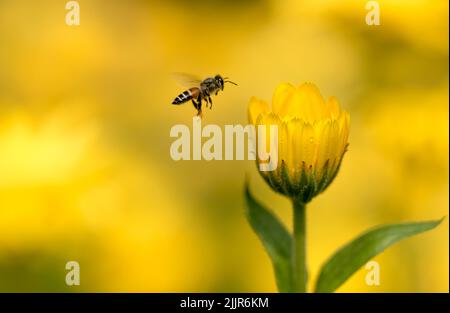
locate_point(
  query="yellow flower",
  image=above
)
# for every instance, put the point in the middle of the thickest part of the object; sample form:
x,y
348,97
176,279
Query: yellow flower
x,y
312,139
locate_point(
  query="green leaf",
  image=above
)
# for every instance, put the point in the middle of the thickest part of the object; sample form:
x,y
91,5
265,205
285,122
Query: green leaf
x,y
275,238
358,252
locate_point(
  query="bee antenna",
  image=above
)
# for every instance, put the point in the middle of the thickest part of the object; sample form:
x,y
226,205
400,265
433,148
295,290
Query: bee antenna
x,y
229,81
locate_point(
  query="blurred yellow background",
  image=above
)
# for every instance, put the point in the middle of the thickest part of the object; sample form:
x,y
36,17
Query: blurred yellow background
x,y
85,115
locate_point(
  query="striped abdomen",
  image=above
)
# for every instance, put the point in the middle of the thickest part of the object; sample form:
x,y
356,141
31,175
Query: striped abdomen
x,y
187,95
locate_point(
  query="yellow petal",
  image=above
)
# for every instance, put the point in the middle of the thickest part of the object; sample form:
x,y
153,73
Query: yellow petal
x,y
268,119
307,145
281,98
335,142
312,101
295,130
307,104
255,108
283,144
344,129
333,107
322,131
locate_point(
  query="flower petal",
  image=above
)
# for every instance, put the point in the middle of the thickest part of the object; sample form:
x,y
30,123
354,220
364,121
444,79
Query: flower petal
x,y
307,145
312,138
322,130
307,104
295,130
281,98
255,108
333,107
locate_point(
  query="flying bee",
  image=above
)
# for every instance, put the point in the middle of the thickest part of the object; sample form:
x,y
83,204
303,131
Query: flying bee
x,y
201,90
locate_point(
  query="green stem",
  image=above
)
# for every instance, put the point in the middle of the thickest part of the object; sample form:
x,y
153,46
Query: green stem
x,y
299,247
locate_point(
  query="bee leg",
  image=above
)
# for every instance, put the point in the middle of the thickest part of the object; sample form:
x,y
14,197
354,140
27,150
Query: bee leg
x,y
207,96
199,106
210,103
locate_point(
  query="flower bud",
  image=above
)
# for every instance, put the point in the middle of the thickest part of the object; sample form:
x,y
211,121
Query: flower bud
x,y
312,139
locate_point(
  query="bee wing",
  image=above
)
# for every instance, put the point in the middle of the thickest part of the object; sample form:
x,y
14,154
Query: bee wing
x,y
187,80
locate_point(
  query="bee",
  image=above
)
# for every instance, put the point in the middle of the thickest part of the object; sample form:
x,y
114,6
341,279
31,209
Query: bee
x,y
201,90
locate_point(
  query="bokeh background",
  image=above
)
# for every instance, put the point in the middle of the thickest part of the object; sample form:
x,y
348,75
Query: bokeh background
x,y
85,115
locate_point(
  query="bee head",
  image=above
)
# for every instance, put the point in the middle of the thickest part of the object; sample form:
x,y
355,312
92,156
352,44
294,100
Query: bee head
x,y
219,81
